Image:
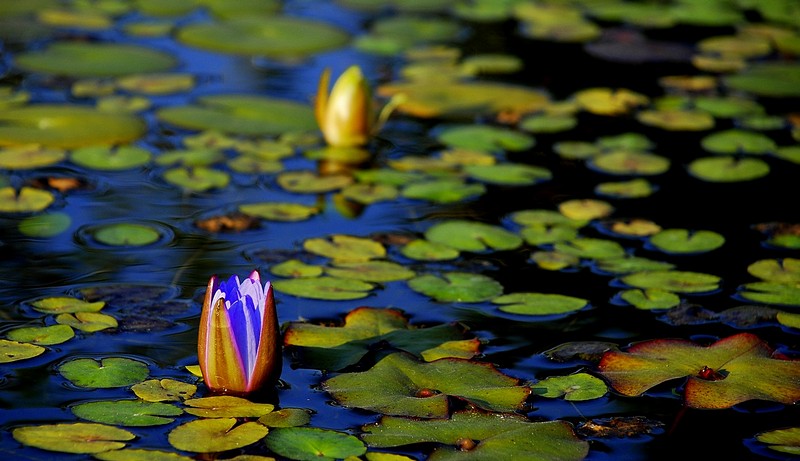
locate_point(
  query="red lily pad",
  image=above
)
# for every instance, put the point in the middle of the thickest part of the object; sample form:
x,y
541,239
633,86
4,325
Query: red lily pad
x,y
400,385
730,371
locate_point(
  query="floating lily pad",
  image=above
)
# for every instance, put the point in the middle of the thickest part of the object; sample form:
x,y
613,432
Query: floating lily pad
x,y
539,303
573,388
782,440
42,336
629,264
248,115
590,248
478,435
197,179
423,250
770,79
547,123
533,218
512,174
460,287
387,176
87,321
330,288
728,169
65,304
368,194
308,182
771,293
295,268
215,435
279,211
585,209
686,241
651,298
788,319
45,225
226,406
197,157
288,417
607,101
311,443
140,454
92,59
728,107
27,157
554,260
163,390
484,137
12,351
73,437
271,36
738,142
126,234
624,162
341,247
399,385
127,412
542,235
785,270
443,190
394,34
677,120
472,236
635,188
66,126
112,159
674,281
156,84
109,372
370,271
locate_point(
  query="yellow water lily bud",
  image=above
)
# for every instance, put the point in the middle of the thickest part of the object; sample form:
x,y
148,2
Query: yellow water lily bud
x,y
345,116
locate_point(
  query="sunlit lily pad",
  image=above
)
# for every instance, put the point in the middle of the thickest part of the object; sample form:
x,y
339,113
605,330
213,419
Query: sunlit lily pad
x,y
109,372
26,157
443,190
554,260
368,194
156,84
215,434
786,270
512,174
312,443
585,209
728,107
12,351
686,241
400,385
573,388
675,281
73,437
295,268
27,199
782,440
343,248
387,176
287,417
541,234
279,211
127,412
308,182
677,120
629,264
249,115
635,227
635,188
272,36
66,304
66,126
472,236
771,293
478,435
226,406
547,123
484,137
197,179
112,159
533,218
650,298
460,287
423,250
93,59
607,101
789,319
728,169
140,454
163,390
370,271
330,288
87,321
42,336
625,162
738,142
539,303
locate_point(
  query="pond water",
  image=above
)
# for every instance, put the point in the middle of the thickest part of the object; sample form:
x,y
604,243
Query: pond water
x,y
153,289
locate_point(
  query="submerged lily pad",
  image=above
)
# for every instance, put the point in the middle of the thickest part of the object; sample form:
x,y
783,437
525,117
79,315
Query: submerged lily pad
x,y
472,236
271,36
109,372
462,287
312,443
399,385
127,412
73,437
92,59
215,435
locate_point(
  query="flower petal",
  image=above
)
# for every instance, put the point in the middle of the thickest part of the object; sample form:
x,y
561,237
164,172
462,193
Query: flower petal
x,y
217,351
268,356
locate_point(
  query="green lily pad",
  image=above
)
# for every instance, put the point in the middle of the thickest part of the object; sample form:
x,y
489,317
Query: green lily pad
x,y
511,174
215,435
247,164
65,304
576,149
460,287
127,412
478,435
686,241
585,209
472,236
307,182
533,218
288,417
590,248
156,84
394,34
785,270
12,351
630,141
66,126
197,179
484,137
330,288
93,59
541,234
45,225
110,159
399,385
738,142
42,336
771,293
629,264
126,234
226,406
387,176
367,194
443,190
573,388
548,123
677,120
789,319
650,298
311,443
335,348
554,260
163,390
27,199
539,303
259,35
87,321
635,188
279,211
296,269
31,156
728,107
109,372
770,79
370,271
674,281
788,153
625,162
343,248
140,454
730,371
728,169
607,101
423,250
73,437
247,115
782,440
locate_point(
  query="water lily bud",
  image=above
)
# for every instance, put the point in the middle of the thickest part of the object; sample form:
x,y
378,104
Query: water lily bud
x,y
346,115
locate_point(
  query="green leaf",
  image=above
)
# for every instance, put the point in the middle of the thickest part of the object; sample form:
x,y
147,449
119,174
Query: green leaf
x,y
64,304
785,270
677,120
423,250
635,188
43,336
367,194
140,454
126,234
109,372
311,443
12,351
93,59
457,287
73,437
110,159
443,190
226,406
510,174
127,412
163,390
585,209
484,137
728,169
651,298
45,225
789,319
296,269
675,281
87,321
344,248
782,440
400,385
738,142
215,435
279,211
574,388
626,162
330,288
27,199
28,157
472,236
288,417
197,179
732,370
478,435
539,303
370,271
590,248
630,264
771,293
308,182
686,241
